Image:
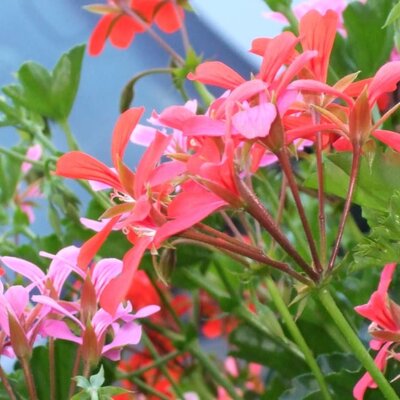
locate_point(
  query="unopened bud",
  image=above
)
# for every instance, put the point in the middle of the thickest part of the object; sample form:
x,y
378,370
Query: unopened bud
x,y
19,341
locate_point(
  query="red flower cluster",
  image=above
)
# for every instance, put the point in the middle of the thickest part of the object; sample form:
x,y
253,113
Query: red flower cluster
x,y
124,19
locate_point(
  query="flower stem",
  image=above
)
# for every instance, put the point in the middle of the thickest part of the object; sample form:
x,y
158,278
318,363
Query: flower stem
x,y
352,183
75,370
214,370
153,351
71,141
321,192
52,370
357,347
20,157
257,256
157,38
7,385
255,208
155,364
29,379
298,337
287,169
149,389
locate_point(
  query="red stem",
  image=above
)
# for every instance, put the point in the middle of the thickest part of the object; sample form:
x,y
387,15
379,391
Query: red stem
x,y
220,243
260,213
287,169
7,385
352,183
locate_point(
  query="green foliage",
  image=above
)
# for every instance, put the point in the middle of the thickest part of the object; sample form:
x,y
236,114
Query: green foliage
x,y
93,390
382,245
364,49
378,179
48,93
393,16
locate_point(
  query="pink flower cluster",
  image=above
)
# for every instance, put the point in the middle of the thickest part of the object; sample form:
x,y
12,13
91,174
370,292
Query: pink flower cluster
x,y
38,309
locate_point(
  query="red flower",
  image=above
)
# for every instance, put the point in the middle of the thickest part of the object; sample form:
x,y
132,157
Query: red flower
x,y
121,25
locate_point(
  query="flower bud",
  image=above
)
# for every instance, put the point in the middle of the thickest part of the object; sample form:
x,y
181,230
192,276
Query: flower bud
x,y
19,341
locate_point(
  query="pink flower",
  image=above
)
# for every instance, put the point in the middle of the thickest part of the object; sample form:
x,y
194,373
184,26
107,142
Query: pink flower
x,y
385,327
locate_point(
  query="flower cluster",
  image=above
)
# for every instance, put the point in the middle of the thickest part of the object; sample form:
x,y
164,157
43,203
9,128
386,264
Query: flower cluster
x,y
39,309
196,165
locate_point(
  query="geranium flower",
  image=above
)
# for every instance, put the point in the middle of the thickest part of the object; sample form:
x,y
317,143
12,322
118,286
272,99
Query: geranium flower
x,y
121,27
384,314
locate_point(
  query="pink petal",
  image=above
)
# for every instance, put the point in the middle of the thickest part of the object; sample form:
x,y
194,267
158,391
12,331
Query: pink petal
x,y
202,125
386,278
59,330
24,268
34,153
146,311
130,333
255,121
104,271
18,299
143,135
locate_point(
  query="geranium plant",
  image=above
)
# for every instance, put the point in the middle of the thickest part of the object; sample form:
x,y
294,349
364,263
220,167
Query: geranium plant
x,y
260,216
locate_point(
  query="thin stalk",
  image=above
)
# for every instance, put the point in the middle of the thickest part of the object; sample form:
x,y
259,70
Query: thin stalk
x,y
20,157
260,213
243,313
153,351
297,337
52,369
183,31
75,370
356,345
165,301
231,225
203,92
157,38
7,385
214,370
71,141
218,243
321,192
281,207
149,389
301,241
155,364
355,165
30,383
287,169
225,280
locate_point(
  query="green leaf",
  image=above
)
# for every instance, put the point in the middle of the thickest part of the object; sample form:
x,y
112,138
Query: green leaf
x,y
252,346
64,361
48,93
382,245
98,379
376,183
369,48
65,81
393,16
341,372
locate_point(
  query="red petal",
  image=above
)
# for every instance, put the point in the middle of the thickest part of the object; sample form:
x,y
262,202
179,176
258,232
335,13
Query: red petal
x,y
259,45
123,31
169,17
278,52
92,246
127,121
114,293
385,80
317,32
218,74
79,165
392,139
99,35
149,160
212,329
